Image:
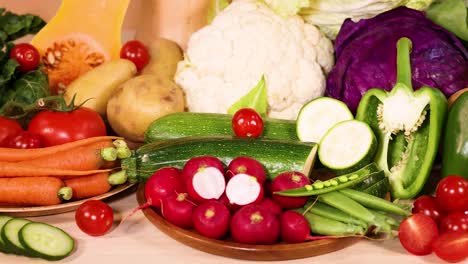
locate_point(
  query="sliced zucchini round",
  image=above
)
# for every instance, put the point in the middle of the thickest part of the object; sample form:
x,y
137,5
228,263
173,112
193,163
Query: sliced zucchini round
x,y
318,116
46,241
347,146
10,235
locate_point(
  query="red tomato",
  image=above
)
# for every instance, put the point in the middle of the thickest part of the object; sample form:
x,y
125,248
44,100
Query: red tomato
x,y
94,217
246,122
451,246
9,128
452,194
136,52
454,221
57,128
428,205
26,55
25,140
416,234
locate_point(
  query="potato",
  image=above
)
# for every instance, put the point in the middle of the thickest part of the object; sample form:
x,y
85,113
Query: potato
x,y
99,84
141,100
164,56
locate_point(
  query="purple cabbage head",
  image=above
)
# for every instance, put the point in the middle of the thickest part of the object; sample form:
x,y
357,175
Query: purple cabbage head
x,y
366,56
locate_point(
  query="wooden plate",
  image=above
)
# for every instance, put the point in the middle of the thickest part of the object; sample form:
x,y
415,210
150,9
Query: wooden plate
x,y
231,249
60,208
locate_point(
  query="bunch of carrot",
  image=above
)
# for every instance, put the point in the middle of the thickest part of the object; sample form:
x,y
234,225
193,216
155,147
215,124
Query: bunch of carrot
x,y
38,176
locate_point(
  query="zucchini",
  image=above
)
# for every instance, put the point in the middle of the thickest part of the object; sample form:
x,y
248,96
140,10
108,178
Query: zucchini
x,y
347,146
3,220
46,241
277,156
10,235
189,124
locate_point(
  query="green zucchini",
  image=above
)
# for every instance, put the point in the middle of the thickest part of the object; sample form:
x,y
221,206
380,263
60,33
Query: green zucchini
x,y
188,124
277,156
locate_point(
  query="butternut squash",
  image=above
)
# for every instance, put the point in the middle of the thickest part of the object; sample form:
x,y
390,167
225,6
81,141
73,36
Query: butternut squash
x,y
82,35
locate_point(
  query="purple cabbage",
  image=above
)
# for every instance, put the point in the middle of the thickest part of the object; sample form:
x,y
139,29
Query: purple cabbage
x,y
366,56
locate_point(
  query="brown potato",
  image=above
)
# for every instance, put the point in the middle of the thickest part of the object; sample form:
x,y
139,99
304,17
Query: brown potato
x,y
141,100
164,56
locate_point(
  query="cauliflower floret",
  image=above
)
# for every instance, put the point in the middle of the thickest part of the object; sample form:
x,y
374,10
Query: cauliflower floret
x,y
227,58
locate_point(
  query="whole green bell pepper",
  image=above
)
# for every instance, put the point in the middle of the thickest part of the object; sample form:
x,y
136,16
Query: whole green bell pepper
x,y
455,152
408,125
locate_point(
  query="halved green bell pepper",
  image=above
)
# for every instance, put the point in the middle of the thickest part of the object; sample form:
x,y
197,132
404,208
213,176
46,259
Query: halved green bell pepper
x,y
408,125
455,152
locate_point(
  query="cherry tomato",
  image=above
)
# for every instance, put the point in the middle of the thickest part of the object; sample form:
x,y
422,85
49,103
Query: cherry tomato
x,y
26,55
25,140
452,193
454,221
9,128
428,205
416,234
136,52
94,217
246,122
451,246
57,128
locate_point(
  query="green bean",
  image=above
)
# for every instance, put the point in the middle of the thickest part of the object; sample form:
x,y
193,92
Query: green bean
x,y
334,184
326,211
374,202
347,205
325,226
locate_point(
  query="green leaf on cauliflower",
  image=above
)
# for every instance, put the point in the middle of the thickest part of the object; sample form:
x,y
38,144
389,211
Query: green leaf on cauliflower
x,y
257,99
215,7
452,15
286,8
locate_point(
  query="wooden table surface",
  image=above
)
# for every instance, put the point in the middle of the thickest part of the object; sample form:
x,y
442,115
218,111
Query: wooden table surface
x,y
138,240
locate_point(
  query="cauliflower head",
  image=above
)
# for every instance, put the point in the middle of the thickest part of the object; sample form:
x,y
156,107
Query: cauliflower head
x,y
227,58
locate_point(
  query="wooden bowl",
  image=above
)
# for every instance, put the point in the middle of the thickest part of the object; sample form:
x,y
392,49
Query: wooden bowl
x,y
228,248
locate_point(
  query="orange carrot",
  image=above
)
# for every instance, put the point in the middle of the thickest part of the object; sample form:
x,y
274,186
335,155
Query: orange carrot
x,y
89,186
11,154
15,169
87,157
30,190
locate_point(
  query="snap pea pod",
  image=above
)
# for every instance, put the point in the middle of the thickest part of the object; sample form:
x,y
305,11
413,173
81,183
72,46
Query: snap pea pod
x,y
374,202
334,184
347,205
323,210
326,226
389,220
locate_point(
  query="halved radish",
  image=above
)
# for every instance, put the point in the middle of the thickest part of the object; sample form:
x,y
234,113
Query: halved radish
x,y
208,183
248,166
243,189
199,163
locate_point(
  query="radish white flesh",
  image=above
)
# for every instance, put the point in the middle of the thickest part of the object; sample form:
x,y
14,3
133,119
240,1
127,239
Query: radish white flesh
x,y
243,189
209,183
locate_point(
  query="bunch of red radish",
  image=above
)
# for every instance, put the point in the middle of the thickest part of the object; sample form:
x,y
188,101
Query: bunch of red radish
x,y
439,223
235,201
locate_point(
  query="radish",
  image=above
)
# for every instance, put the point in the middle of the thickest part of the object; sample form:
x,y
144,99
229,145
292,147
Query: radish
x,y
248,166
253,224
199,163
212,219
163,182
271,205
232,207
294,227
286,181
178,210
206,184
243,189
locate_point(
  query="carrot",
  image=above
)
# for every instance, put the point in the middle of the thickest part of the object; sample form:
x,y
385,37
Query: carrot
x,y
89,186
11,154
30,190
87,157
15,169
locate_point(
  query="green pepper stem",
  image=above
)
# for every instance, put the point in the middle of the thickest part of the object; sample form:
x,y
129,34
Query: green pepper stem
x,y
404,62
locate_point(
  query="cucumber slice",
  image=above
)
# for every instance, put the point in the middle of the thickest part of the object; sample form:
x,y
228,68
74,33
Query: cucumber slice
x,y
46,241
10,236
318,116
347,146
3,220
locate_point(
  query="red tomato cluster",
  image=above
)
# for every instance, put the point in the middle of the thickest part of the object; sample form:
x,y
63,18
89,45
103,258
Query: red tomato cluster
x,y
439,223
